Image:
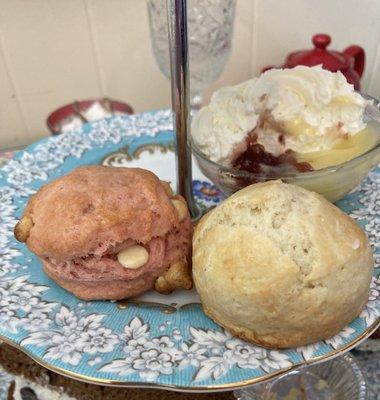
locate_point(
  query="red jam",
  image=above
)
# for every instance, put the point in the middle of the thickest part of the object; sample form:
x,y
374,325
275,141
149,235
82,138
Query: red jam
x,y
256,160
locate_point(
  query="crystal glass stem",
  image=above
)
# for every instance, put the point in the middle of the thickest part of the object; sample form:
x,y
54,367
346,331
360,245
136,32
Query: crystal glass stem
x,y
210,28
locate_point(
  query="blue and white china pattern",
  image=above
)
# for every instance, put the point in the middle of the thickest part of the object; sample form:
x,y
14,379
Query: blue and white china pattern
x,y
139,344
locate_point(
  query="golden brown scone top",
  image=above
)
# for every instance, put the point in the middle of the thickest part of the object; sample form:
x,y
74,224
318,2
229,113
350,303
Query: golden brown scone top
x,y
76,214
280,266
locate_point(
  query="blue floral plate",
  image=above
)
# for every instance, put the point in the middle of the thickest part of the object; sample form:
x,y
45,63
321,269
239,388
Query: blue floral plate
x,y
155,340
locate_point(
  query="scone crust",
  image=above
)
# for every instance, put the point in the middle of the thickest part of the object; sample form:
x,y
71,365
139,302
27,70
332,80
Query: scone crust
x,y
115,289
280,340
255,284
74,215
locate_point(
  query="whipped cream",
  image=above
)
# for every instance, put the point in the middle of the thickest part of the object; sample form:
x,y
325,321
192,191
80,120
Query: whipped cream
x,y
225,122
313,108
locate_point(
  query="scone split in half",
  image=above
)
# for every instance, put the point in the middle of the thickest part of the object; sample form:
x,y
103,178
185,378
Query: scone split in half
x,y
280,266
109,233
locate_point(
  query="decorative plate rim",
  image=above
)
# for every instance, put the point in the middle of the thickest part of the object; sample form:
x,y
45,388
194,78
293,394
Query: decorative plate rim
x,y
183,384
194,389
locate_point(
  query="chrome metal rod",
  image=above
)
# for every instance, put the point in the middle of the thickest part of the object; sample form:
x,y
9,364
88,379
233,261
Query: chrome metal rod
x,y
179,67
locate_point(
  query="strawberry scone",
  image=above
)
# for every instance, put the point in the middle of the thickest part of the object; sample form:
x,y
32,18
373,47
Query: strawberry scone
x,y
107,233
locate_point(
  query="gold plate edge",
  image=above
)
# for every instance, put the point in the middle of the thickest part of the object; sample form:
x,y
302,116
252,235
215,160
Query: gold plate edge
x,y
193,389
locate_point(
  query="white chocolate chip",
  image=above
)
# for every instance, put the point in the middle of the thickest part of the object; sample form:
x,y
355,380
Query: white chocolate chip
x,y
162,286
178,275
133,257
167,188
181,208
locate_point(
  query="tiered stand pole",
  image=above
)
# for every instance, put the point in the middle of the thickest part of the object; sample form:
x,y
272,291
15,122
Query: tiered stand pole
x,y
179,66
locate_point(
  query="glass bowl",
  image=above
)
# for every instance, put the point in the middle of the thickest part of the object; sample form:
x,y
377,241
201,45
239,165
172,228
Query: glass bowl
x,y
332,182
340,378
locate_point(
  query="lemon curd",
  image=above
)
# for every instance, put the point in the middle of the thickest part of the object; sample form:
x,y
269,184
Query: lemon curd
x,y
344,149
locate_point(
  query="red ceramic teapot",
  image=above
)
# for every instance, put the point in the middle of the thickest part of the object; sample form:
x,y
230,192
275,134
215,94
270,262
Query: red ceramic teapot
x,y
350,62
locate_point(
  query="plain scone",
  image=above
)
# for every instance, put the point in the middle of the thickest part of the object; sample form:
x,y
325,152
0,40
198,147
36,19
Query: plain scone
x,y
280,266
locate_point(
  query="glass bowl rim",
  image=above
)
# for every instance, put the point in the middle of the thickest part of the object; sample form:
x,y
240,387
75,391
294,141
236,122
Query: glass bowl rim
x,y
310,174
